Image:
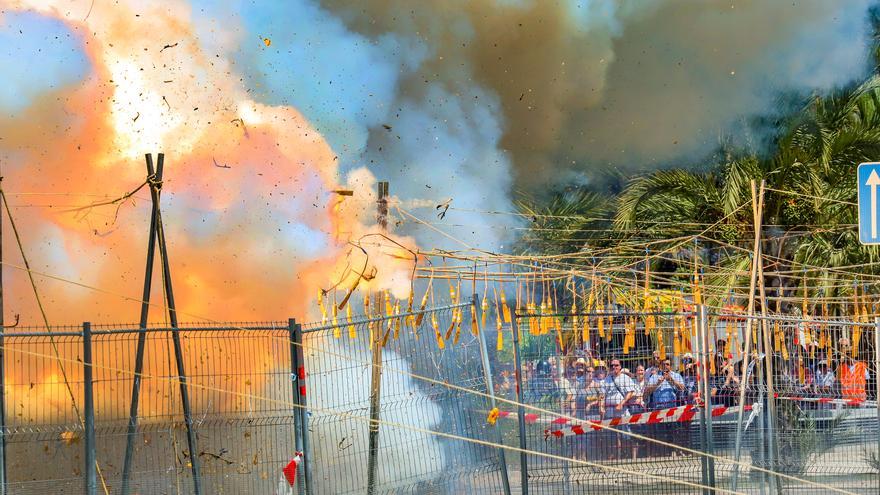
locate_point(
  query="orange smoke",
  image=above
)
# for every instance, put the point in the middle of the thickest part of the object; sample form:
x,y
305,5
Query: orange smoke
x,y
245,241
253,228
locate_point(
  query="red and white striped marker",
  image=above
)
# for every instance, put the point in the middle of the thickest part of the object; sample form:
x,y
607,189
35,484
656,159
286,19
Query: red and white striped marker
x,y
680,414
290,469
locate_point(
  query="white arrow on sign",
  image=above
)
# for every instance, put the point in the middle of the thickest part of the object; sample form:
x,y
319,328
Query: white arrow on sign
x,y
873,182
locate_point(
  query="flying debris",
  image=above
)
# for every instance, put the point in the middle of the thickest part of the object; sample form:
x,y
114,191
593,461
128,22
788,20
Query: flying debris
x,y
219,165
343,192
267,41
168,46
444,206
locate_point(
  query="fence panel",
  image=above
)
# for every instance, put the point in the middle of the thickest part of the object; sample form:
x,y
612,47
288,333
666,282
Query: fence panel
x,y
338,363
809,410
43,437
241,398
815,421
551,381
800,416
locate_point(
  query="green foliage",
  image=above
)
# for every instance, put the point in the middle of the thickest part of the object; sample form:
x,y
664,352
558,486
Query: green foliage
x,y
808,213
566,223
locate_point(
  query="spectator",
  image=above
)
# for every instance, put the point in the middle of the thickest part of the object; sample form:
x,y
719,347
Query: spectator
x,y
619,390
853,374
725,389
824,384
654,366
662,387
689,377
575,389
542,383
637,406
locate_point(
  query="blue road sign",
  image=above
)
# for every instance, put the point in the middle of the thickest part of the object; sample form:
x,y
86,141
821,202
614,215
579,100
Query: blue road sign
x,y
868,177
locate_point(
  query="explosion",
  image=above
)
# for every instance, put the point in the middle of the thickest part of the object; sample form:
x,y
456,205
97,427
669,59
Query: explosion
x,y
253,226
251,219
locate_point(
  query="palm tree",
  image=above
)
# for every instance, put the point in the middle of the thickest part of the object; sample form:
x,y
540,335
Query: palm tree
x,y
808,215
570,222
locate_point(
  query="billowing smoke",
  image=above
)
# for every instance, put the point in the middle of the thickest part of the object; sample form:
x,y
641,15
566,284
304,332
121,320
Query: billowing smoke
x,y
265,109
582,86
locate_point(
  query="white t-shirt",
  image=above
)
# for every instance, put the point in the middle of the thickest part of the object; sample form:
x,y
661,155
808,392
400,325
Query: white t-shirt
x,y
617,387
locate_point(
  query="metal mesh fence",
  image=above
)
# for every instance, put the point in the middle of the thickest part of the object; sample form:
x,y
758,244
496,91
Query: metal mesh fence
x,y
808,411
239,386
242,398
407,461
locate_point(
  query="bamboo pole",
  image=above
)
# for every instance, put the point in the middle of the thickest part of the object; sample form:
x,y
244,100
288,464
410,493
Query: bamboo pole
x,y
768,351
757,210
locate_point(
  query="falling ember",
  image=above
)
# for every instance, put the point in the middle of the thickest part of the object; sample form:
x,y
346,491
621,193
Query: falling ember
x,y
267,41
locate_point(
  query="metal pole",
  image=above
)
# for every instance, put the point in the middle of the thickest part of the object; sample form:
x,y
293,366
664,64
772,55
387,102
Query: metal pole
x,y
490,389
520,411
375,391
707,409
142,334
2,370
703,357
178,350
294,380
877,380
757,207
91,472
771,388
376,346
302,401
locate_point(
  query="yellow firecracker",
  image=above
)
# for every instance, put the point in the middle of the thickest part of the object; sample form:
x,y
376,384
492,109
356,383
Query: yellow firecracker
x,y
493,416
321,306
337,330
504,308
436,326
352,332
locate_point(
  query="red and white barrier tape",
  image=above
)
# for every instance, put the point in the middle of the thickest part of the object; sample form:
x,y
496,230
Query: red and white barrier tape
x,y
531,418
680,414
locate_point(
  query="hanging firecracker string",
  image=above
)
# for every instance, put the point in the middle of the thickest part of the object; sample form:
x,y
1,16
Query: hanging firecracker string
x,y
499,345
337,330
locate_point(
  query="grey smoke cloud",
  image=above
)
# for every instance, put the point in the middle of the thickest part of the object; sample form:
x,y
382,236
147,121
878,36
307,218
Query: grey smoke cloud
x,y
582,86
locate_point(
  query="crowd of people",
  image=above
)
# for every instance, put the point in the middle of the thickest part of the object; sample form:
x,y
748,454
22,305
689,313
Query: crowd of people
x,y
586,386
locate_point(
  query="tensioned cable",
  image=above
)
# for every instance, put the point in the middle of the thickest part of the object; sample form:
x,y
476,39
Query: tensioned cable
x,y
52,342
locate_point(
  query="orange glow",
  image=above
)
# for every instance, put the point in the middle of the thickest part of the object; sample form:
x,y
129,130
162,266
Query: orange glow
x,y
248,209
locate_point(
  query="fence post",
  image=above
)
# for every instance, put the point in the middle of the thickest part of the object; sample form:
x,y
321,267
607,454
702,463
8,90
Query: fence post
x,y
490,388
375,403
2,403
301,399
703,357
707,402
520,411
155,178
294,382
877,381
91,474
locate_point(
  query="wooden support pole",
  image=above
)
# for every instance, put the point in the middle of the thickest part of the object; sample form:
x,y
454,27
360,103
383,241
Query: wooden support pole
x,y
376,371
757,209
